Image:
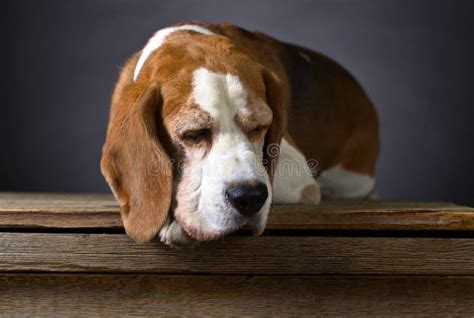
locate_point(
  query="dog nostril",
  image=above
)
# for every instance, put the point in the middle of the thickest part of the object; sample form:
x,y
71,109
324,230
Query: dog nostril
x,y
247,199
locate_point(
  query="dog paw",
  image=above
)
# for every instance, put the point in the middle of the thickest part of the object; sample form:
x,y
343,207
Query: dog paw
x,y
173,235
311,194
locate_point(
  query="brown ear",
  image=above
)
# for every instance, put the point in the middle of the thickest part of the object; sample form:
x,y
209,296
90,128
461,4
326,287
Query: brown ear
x,y
134,162
276,101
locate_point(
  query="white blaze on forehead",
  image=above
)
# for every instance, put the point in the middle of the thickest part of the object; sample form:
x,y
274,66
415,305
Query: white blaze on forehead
x,y
159,38
221,95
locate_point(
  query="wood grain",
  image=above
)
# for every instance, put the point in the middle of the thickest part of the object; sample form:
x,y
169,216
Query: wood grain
x,y
52,210
74,273
281,296
26,210
277,255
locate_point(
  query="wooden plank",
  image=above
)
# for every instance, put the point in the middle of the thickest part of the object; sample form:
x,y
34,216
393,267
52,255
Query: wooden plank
x,y
53,210
20,210
110,253
174,295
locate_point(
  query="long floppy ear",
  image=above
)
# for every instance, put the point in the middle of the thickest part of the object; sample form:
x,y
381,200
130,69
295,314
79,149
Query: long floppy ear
x,y
276,101
135,163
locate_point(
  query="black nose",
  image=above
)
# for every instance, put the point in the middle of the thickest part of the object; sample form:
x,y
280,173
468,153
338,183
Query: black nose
x,y
247,198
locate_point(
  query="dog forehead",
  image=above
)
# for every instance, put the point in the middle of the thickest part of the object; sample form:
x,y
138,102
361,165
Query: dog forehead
x,y
221,95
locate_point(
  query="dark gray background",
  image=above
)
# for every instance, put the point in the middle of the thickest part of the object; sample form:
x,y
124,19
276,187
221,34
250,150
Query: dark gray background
x,y
414,58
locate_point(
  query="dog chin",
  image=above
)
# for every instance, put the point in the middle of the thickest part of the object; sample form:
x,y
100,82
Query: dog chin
x,y
203,232
207,232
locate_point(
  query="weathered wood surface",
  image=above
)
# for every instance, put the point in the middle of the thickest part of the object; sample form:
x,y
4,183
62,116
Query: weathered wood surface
x,y
26,210
75,273
218,296
278,255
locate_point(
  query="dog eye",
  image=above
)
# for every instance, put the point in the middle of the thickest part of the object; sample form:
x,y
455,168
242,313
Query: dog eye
x,y
255,132
197,136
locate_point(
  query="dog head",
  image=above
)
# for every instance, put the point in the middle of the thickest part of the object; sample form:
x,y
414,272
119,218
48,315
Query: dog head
x,y
195,132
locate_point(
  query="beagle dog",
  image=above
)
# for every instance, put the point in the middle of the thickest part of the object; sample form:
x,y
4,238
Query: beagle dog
x,y
210,124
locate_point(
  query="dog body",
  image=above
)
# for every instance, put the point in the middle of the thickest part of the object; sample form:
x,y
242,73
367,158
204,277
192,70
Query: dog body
x,y
214,123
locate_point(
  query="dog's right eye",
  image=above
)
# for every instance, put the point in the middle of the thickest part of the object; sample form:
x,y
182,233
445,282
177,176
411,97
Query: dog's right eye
x,y
197,136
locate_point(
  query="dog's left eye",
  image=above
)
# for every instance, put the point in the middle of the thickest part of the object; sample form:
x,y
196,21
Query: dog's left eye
x,y
255,132
197,136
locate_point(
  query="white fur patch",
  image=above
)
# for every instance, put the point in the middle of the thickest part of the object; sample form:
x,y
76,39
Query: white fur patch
x,y
159,38
291,176
172,234
221,95
338,182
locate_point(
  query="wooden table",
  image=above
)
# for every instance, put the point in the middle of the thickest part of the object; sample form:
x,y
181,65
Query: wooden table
x,y
67,255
